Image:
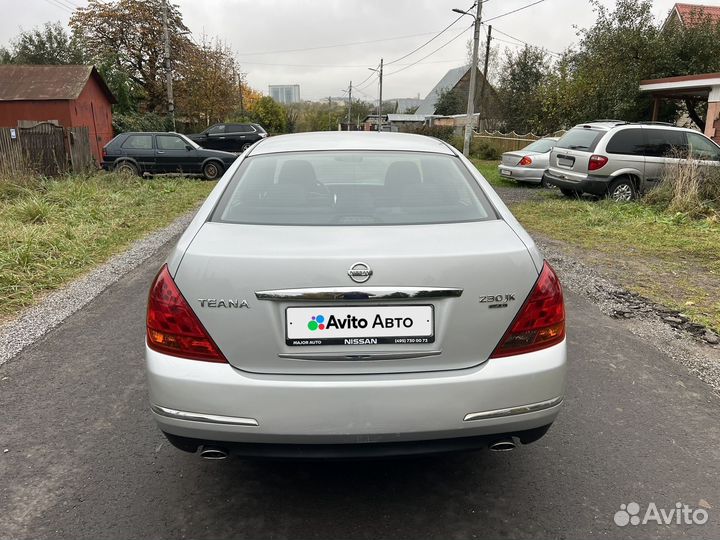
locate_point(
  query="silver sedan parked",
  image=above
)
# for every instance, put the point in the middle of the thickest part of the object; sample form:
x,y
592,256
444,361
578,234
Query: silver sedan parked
x,y
354,294
530,163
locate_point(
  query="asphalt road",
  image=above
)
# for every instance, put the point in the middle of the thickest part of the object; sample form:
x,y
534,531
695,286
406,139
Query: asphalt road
x,y
84,459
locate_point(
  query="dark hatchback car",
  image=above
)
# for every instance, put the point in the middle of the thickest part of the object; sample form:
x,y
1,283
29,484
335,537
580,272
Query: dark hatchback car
x,y
230,137
156,153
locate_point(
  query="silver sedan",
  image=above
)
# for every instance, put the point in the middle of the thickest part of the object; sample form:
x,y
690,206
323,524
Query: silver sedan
x,y
530,163
354,294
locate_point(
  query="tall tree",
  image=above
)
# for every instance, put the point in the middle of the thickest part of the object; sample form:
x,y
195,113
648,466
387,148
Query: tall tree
x,y
450,101
521,76
270,114
208,88
46,44
130,32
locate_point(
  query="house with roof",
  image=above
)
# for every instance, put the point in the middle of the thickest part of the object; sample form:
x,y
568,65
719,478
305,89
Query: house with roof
x,y
458,80
689,15
698,87
70,96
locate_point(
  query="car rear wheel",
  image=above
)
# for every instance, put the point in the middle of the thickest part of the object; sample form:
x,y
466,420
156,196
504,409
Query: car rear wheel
x,y
212,170
571,193
127,167
245,146
544,183
622,190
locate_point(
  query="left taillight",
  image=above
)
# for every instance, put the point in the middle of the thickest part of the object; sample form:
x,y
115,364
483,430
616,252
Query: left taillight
x,y
172,326
525,161
541,320
104,153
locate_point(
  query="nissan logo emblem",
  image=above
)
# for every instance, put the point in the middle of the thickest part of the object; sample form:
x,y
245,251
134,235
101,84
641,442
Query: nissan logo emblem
x,y
360,272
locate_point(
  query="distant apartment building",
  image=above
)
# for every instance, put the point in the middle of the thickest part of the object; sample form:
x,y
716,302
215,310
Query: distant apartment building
x,y
285,93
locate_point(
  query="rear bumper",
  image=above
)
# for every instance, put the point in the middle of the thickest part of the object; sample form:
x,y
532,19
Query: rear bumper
x,y
522,174
596,185
216,402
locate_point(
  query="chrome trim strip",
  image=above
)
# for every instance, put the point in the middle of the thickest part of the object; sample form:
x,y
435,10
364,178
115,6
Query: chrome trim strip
x,y
202,417
357,357
357,293
512,411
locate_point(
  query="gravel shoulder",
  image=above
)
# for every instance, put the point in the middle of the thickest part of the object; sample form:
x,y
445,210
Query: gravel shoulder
x,y
34,322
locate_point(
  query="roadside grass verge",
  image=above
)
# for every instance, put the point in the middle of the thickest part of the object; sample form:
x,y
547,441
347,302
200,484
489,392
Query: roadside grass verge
x,y
667,257
54,230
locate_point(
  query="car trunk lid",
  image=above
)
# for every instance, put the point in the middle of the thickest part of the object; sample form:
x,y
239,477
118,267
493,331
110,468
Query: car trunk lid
x,y
461,283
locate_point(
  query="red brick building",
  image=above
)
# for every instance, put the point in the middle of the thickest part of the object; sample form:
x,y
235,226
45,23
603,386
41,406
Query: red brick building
x,y
74,96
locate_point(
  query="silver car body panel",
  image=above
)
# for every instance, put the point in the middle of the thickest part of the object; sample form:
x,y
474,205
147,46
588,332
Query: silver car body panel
x,y
369,393
355,408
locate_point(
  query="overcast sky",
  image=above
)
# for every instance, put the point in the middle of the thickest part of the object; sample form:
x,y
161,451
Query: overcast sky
x,y
258,29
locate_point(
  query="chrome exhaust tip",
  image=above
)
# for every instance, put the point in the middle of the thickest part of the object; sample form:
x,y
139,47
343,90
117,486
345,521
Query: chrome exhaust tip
x,y
213,452
503,445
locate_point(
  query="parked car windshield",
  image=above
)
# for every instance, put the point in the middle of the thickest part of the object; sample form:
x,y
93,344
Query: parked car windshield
x,y
541,146
352,188
580,138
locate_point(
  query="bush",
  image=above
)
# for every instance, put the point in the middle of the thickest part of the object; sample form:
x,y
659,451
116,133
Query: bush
x,y
687,187
123,122
446,133
485,151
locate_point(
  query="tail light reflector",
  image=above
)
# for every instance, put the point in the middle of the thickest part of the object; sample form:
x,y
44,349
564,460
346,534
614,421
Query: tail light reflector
x,y
172,326
596,162
525,161
541,320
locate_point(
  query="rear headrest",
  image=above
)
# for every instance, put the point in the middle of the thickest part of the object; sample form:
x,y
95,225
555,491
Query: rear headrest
x,y
402,173
298,172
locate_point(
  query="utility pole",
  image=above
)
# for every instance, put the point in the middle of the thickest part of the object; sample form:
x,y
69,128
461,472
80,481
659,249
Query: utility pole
x,y
242,105
168,65
349,105
485,74
473,81
380,98
379,110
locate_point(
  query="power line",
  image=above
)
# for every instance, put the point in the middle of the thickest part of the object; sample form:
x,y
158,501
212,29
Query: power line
x,y
523,42
430,54
56,4
429,40
513,11
338,45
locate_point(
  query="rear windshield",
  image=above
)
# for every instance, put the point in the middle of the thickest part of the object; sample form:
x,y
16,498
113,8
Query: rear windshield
x,y
541,146
352,188
580,138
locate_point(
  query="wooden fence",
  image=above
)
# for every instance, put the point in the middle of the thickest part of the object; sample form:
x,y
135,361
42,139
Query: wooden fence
x,y
45,149
507,142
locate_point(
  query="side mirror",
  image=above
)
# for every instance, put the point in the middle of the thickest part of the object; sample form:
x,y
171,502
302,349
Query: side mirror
x,y
188,147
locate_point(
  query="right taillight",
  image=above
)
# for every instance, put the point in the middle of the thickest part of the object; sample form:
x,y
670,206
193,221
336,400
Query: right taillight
x,y
525,161
596,162
541,320
172,326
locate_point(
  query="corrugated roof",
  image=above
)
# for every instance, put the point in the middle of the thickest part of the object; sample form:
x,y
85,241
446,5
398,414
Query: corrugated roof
x,y
450,79
31,83
406,118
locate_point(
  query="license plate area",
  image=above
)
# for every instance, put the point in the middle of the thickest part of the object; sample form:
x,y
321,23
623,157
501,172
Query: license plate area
x,y
565,161
359,325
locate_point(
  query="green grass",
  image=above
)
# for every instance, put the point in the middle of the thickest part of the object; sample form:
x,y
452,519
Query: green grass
x,y
668,258
489,169
52,231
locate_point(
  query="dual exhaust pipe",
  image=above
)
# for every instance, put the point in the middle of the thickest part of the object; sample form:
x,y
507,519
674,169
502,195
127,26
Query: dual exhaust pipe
x,y
217,452
213,452
503,445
